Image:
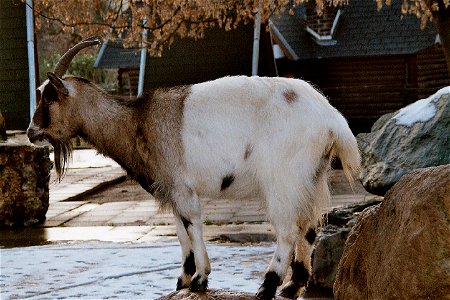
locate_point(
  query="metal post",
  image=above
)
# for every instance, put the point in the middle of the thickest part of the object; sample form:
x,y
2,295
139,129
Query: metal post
x,y
256,38
143,61
31,58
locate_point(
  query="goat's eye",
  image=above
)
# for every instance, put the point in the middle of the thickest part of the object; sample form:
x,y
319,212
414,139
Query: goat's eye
x,y
50,94
48,101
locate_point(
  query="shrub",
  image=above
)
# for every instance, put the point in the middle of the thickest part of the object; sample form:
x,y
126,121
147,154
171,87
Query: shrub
x,y
81,65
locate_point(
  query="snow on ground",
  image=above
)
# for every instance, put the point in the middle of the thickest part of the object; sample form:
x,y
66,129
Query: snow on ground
x,y
98,270
420,111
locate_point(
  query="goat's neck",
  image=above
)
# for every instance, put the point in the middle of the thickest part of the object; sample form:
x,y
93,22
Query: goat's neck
x,y
143,135
109,127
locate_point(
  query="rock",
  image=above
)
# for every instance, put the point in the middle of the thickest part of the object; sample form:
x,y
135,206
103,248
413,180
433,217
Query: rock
x,y
247,237
24,178
414,137
400,249
211,295
3,135
326,255
330,242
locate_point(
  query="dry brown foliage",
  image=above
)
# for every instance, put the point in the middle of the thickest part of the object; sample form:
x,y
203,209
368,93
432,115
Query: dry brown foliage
x,y
168,19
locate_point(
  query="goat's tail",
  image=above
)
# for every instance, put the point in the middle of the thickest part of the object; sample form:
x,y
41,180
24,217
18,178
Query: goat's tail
x,y
346,149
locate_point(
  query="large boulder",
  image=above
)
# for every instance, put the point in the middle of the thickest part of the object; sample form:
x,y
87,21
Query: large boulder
x,y
24,179
417,136
400,249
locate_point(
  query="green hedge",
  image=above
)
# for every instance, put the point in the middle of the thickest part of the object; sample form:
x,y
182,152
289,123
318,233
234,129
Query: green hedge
x,y
82,66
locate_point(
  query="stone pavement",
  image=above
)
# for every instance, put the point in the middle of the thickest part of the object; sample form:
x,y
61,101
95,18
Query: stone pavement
x,y
76,214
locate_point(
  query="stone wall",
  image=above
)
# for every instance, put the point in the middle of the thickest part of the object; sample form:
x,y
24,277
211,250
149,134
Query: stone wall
x,y
24,179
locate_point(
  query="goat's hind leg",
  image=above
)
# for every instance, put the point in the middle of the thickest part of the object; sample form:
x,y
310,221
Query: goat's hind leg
x,y
300,265
284,223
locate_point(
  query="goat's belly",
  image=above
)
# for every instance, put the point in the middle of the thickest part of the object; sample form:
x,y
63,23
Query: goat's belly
x,y
242,187
238,185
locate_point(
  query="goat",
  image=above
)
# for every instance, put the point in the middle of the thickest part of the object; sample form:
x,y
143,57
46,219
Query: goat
x,y
230,137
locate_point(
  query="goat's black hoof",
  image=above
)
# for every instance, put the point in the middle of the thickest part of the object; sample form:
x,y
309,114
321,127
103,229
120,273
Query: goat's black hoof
x,y
291,290
199,283
265,293
269,287
181,285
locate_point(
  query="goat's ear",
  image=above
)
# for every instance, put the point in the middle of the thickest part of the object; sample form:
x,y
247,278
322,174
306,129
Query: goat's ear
x,y
38,96
57,83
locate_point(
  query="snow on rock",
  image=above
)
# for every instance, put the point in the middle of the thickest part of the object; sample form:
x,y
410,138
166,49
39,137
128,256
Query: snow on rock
x,y
420,111
99,270
414,137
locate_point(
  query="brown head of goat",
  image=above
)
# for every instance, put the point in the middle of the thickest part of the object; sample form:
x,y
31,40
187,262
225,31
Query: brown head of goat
x,y
54,121
122,128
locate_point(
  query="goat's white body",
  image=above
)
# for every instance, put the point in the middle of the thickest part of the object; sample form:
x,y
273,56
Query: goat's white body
x,y
275,138
217,150
227,117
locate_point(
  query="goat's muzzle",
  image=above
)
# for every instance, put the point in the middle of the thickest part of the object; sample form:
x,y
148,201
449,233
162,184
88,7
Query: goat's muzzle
x,y
37,137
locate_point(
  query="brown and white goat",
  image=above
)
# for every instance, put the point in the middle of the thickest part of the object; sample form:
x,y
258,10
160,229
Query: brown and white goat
x,y
230,137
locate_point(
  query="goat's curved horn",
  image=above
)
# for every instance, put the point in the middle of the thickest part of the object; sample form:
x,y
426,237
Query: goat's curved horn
x,y
63,63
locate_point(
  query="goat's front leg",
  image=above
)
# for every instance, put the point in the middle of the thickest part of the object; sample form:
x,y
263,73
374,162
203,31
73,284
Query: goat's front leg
x,y
196,265
188,262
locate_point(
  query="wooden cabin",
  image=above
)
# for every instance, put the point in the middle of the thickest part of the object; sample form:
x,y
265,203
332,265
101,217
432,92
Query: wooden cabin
x,y
367,62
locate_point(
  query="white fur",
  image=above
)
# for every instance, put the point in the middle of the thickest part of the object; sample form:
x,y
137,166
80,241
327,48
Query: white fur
x,y
223,117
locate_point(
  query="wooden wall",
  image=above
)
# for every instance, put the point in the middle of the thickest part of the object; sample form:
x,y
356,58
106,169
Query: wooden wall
x,y
363,89
188,61
14,86
432,73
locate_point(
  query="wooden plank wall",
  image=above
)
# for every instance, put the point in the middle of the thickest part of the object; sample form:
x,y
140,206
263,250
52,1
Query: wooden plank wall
x,y
362,89
14,100
188,61
432,73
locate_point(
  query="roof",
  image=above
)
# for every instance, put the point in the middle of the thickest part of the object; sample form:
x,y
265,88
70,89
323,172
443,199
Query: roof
x,y
112,55
362,31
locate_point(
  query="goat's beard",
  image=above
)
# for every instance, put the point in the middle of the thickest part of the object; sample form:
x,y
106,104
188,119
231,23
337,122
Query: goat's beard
x,y
62,150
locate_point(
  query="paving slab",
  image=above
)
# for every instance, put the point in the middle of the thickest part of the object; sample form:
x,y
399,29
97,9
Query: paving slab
x,y
88,172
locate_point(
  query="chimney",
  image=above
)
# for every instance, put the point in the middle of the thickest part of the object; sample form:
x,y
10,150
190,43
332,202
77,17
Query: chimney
x,y
322,27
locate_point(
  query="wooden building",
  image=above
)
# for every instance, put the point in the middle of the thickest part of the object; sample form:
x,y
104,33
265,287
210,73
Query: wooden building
x,y
113,56
367,62
14,83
